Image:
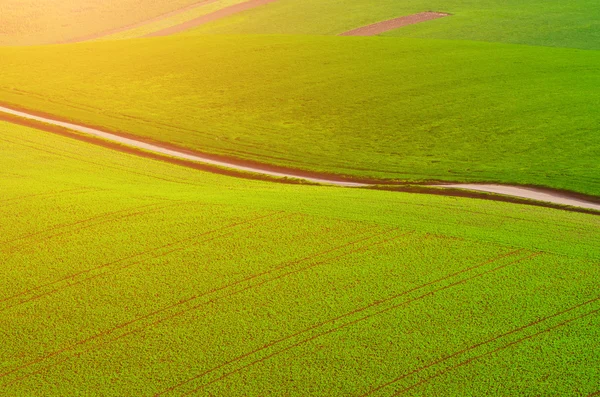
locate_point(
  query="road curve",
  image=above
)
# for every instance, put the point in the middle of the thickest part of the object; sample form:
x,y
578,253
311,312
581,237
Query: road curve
x,y
535,194
170,152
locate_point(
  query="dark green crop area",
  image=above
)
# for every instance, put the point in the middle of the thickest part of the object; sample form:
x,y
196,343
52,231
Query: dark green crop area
x,y
573,23
388,108
125,276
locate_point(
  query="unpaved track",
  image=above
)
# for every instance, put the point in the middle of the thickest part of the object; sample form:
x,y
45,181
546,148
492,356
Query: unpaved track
x,y
222,13
170,152
384,26
527,193
540,195
105,33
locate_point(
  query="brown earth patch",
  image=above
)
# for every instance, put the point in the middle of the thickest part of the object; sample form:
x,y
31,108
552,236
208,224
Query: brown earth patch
x,y
384,26
223,13
105,33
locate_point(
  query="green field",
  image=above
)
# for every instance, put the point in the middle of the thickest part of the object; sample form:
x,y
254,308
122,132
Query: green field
x,y
125,276
406,109
537,22
122,275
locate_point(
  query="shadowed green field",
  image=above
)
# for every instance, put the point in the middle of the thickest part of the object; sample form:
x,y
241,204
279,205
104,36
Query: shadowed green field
x,y
125,276
405,109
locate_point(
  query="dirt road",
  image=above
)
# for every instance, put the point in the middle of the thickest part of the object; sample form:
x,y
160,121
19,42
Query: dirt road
x,y
391,24
222,13
540,195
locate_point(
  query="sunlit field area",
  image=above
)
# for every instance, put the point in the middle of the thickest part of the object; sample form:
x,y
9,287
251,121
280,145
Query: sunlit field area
x,y
405,109
128,276
129,269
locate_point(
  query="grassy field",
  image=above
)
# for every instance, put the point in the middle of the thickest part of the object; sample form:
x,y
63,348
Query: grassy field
x,y
25,22
536,22
125,276
173,20
406,109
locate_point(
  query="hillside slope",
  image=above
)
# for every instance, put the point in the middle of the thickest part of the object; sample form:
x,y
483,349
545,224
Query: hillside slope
x,y
573,24
26,22
125,276
405,109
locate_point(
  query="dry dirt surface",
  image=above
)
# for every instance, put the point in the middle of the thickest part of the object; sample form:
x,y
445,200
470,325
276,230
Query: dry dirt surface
x,y
122,143
139,24
223,13
384,26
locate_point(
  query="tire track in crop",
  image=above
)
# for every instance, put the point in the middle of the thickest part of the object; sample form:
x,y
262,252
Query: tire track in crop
x,y
69,279
70,347
513,343
87,270
19,199
594,394
335,319
328,261
105,219
302,342
66,225
480,344
180,303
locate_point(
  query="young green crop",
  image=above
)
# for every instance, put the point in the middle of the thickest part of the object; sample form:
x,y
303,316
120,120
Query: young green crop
x,y
536,22
389,108
125,276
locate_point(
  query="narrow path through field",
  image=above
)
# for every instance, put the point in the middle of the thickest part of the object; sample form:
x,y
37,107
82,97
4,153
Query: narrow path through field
x,y
391,24
540,195
105,33
222,13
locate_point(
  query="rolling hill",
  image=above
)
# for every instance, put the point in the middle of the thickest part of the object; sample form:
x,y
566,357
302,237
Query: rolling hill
x,y
127,276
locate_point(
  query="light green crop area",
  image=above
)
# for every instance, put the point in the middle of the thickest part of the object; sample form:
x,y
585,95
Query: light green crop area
x,y
125,276
390,108
26,22
573,23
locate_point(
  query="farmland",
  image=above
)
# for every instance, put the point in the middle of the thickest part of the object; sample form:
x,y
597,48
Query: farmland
x,y
535,22
145,277
26,22
127,273
408,109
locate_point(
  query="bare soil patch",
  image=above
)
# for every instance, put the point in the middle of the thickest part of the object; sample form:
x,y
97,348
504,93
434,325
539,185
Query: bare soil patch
x,y
223,13
384,26
139,24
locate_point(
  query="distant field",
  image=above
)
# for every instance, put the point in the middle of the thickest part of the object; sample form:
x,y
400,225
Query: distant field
x,y
24,22
406,109
124,276
538,22
173,20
